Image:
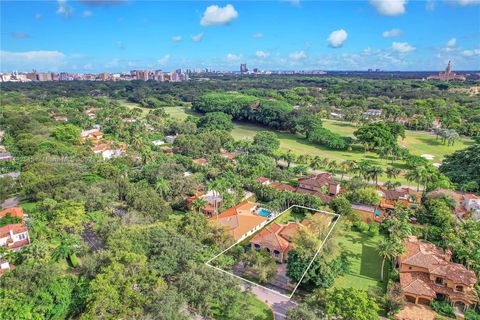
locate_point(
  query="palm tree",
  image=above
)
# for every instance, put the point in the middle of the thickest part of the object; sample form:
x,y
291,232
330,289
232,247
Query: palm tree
x,y
332,165
344,167
289,157
67,249
392,172
417,175
199,203
162,187
374,172
386,251
316,163
137,142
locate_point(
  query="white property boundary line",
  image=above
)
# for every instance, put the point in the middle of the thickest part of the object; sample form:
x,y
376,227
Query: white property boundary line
x,y
306,270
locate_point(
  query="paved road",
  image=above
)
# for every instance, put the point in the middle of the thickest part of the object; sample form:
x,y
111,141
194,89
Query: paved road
x,y
10,203
278,303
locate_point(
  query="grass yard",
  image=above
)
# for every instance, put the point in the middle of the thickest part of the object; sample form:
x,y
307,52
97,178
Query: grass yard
x,y
28,206
365,261
418,142
132,105
180,113
261,311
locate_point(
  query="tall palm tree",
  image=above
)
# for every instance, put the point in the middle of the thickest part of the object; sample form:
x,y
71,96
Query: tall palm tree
x,y
199,203
392,172
386,250
374,172
344,167
332,165
316,163
417,175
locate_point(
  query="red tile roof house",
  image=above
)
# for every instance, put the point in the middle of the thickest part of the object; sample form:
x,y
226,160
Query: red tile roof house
x,y
276,239
213,198
274,184
427,273
321,185
13,236
241,220
465,204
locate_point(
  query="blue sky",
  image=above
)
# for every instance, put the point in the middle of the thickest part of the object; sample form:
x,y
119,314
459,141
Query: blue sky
x,y
118,35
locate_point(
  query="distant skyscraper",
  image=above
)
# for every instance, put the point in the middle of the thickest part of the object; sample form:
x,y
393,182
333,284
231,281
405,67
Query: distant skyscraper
x,y
243,68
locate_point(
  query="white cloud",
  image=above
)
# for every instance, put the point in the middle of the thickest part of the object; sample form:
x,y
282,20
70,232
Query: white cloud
x,y
337,38
392,33
452,42
389,7
42,60
197,37
402,47
215,15
20,35
297,55
177,38
64,9
87,13
430,5
257,35
471,53
467,2
262,54
231,57
163,61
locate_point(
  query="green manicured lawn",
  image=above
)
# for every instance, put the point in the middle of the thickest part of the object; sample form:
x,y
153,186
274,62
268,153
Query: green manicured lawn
x,y
418,142
28,206
364,258
260,310
132,105
180,113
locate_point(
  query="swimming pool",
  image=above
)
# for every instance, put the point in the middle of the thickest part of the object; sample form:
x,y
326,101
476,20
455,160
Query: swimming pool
x,y
264,212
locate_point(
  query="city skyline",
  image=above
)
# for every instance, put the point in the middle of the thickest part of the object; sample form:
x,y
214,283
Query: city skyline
x,y
92,36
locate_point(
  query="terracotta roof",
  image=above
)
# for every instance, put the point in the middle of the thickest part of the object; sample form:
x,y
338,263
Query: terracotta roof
x,y
200,161
281,186
15,212
15,228
239,219
318,180
324,197
416,283
277,236
262,180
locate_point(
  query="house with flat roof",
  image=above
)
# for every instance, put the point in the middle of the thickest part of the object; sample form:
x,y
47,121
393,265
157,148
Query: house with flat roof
x,y
427,273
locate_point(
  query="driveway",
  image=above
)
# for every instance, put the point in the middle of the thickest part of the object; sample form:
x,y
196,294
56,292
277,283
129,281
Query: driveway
x,y
278,303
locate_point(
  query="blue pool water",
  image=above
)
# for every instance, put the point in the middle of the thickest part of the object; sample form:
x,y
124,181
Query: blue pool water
x,y
264,212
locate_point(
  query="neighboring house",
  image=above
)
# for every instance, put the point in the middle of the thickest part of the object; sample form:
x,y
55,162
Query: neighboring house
x,y
91,134
107,151
427,273
167,150
213,201
91,113
373,113
170,139
12,236
200,161
129,120
466,205
275,184
241,220
60,118
158,142
407,197
368,213
321,185
6,156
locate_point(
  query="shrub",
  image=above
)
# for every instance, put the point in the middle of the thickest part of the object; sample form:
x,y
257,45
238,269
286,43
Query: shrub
x,y
361,226
374,229
443,308
471,314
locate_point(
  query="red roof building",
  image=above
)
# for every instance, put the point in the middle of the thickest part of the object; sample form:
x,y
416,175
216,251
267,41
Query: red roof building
x,y
321,185
427,273
13,236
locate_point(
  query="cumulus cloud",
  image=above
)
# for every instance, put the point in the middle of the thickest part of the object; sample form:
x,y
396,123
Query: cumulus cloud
x,y
215,15
337,38
231,57
452,42
163,61
87,13
45,60
392,33
297,55
257,35
20,35
471,53
197,37
262,54
389,7
402,47
177,38
64,9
